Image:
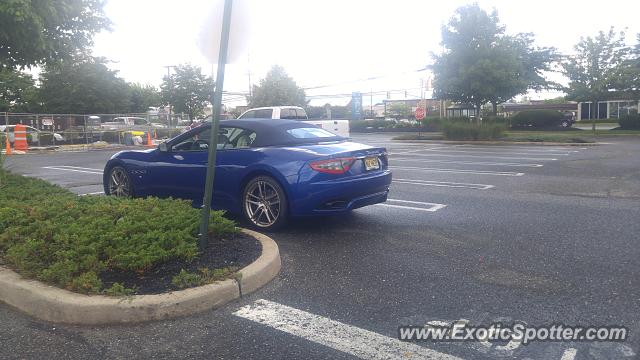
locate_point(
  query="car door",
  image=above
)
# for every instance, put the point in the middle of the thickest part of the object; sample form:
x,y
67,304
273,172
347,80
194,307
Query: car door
x,y
180,171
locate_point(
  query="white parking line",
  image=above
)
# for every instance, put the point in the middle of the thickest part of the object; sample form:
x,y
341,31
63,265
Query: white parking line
x,y
78,167
488,163
81,170
458,171
430,207
494,152
517,148
407,153
349,339
443,184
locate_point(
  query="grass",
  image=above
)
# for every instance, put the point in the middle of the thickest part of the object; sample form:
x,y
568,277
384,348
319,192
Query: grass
x,y
49,234
546,136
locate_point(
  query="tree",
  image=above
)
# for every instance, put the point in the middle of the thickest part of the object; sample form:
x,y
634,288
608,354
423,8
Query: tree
x,y
187,90
17,91
481,64
399,111
45,31
597,67
628,82
143,97
83,86
277,89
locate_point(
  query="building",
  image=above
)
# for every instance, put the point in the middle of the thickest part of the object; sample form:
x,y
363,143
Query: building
x,y
611,109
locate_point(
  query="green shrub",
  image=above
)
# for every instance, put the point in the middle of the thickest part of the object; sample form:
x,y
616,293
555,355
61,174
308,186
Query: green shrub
x,y
462,131
491,119
51,234
536,118
204,276
118,289
436,123
629,122
366,125
186,279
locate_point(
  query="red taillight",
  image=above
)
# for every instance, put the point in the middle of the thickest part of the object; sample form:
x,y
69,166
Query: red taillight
x,y
333,166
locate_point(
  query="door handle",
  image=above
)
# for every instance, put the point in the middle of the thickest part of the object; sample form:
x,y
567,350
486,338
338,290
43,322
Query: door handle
x,y
178,157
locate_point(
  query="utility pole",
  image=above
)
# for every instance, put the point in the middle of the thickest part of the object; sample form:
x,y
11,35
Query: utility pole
x,y
170,91
249,73
371,104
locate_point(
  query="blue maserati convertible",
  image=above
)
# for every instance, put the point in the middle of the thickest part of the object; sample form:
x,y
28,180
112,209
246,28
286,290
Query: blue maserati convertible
x,y
266,171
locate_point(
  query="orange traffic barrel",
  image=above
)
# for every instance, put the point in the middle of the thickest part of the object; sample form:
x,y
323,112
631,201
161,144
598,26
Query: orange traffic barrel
x,y
20,138
7,148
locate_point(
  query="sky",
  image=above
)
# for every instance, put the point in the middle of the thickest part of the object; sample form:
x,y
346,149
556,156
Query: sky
x,y
330,42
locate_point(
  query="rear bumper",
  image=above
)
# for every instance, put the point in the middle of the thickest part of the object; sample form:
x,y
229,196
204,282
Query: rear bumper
x,y
340,196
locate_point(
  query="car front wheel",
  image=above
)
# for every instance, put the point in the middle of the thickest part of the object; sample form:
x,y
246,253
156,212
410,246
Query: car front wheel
x,y
120,183
264,203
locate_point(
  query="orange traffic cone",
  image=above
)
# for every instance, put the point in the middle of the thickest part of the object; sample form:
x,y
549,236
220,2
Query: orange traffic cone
x,y
149,142
7,148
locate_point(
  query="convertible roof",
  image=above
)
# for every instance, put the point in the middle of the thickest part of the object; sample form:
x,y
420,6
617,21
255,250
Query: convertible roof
x,y
273,132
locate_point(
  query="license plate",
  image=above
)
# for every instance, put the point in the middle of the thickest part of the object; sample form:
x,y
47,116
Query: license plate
x,y
371,163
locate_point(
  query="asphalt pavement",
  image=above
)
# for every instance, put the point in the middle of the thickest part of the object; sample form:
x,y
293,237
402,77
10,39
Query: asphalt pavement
x,y
533,234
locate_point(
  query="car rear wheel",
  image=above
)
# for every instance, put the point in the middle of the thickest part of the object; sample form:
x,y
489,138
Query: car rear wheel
x,y
120,182
264,203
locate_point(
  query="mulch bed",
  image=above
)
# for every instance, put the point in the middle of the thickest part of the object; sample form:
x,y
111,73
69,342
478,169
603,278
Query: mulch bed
x,y
238,251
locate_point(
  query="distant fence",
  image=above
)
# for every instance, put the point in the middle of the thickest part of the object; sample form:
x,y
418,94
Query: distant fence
x,y
57,129
60,122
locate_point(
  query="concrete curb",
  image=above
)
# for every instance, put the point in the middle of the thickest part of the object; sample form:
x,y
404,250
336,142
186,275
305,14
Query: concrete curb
x,y
539,143
57,305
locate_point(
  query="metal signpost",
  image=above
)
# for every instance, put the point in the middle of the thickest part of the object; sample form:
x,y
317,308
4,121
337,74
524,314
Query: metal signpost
x,y
203,236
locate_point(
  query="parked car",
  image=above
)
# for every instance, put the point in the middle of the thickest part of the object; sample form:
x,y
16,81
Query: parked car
x,y
129,123
267,171
338,126
33,134
568,119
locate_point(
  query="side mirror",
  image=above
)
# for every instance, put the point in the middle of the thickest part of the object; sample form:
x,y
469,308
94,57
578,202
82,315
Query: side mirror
x,y
163,147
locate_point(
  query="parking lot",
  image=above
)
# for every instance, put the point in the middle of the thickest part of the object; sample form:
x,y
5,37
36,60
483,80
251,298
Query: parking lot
x,y
537,234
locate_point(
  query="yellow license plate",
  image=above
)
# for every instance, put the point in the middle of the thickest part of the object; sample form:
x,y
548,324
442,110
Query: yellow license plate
x,y
371,163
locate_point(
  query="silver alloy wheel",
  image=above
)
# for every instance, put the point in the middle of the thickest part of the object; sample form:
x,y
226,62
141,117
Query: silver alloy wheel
x,y
262,204
119,183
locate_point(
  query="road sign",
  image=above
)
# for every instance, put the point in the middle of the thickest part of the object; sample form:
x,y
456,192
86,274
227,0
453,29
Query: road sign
x,y
419,113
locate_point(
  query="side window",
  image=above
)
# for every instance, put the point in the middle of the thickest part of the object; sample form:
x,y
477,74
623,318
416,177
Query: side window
x,y
236,138
196,142
287,114
248,115
301,114
264,114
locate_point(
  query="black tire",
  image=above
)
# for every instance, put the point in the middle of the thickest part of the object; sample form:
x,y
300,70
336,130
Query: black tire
x,y
565,124
264,204
119,183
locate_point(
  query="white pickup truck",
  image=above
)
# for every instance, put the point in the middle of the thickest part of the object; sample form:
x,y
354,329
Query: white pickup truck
x,y
339,127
